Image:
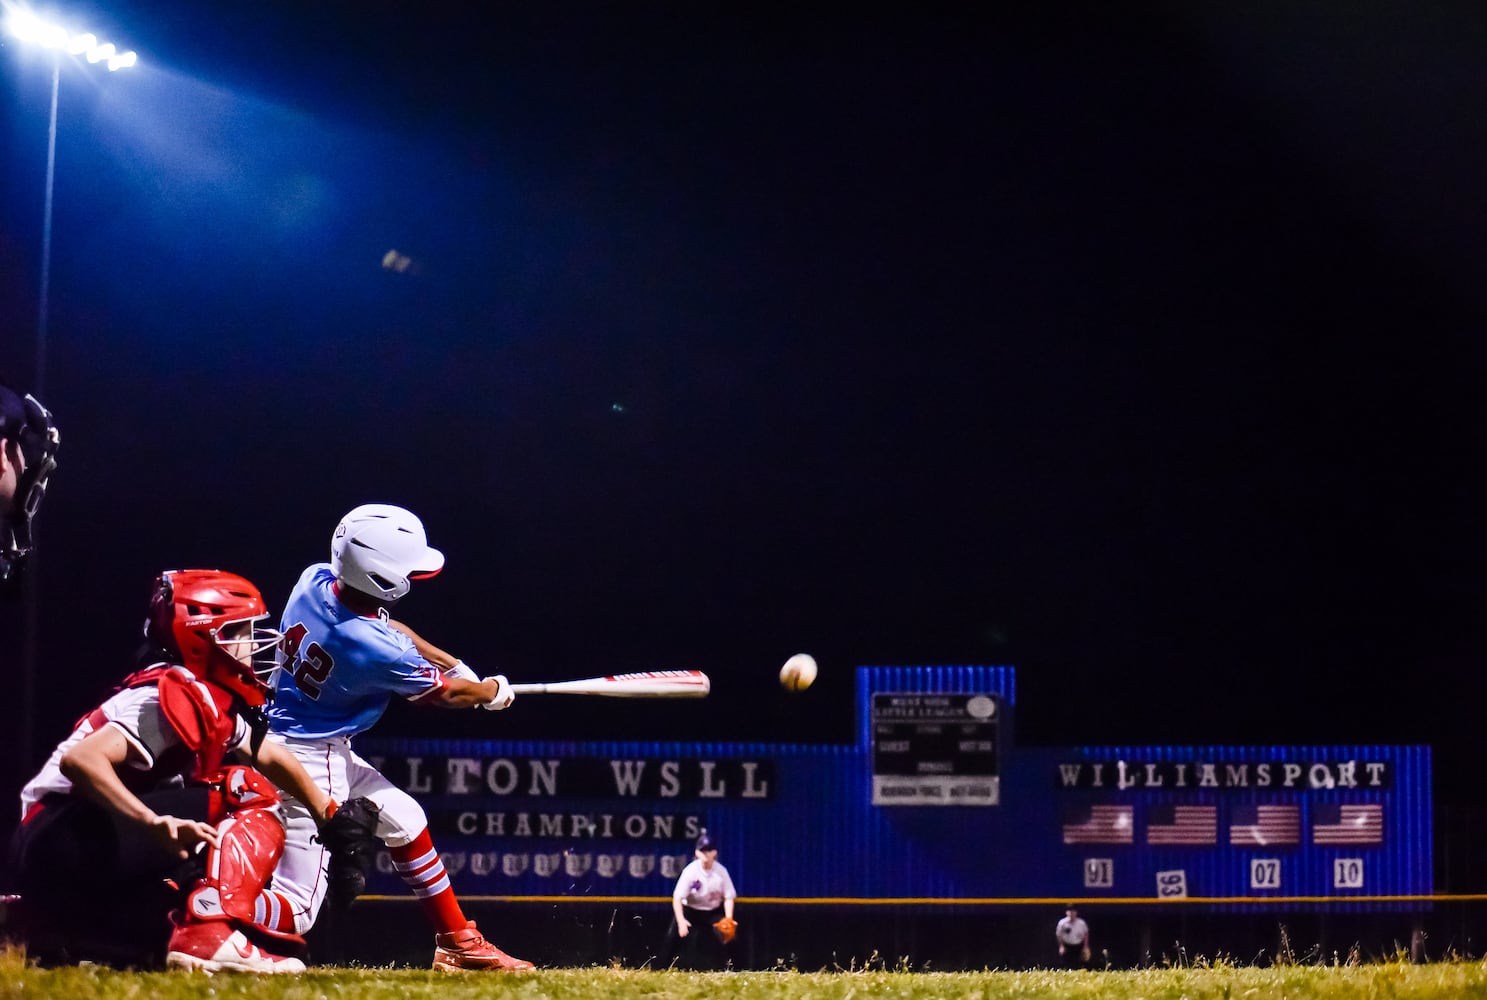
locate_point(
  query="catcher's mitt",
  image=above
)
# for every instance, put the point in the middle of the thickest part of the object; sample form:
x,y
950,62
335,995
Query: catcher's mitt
x,y
351,838
725,928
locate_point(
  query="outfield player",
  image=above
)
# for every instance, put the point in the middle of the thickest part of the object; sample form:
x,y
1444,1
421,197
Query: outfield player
x,y
704,894
137,841
1072,934
28,454
342,660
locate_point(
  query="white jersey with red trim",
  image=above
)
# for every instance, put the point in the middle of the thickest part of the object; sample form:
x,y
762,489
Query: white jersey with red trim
x,y
338,670
136,713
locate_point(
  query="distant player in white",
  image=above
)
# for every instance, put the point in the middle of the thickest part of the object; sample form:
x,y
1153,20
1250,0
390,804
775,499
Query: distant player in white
x,y
1073,938
703,894
342,659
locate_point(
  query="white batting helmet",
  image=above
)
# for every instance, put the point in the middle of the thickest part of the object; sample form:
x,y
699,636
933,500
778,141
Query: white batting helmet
x,y
378,548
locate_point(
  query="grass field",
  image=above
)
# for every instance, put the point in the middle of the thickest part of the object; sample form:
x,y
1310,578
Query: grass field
x,y
1201,981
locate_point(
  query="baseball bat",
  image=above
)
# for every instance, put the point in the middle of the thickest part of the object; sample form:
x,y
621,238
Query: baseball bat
x,y
647,684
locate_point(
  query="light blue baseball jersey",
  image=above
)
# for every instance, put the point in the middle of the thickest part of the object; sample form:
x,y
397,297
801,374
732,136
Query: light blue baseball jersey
x,y
337,669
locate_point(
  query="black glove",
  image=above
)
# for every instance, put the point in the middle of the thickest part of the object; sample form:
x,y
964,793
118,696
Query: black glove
x,y
351,838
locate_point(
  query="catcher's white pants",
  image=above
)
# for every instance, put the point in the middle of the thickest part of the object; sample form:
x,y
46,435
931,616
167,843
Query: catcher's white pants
x,y
343,774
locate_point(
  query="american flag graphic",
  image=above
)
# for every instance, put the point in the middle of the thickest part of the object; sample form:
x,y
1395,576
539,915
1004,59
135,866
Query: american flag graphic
x,y
1265,825
1347,823
1171,824
1101,824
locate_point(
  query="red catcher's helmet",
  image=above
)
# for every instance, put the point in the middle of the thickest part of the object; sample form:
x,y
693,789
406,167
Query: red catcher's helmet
x,y
210,621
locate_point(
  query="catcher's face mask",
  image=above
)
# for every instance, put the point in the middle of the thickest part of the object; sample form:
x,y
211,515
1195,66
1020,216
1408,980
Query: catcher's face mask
x,y
36,440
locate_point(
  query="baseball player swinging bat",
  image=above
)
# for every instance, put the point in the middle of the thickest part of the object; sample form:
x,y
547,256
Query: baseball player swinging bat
x,y
647,684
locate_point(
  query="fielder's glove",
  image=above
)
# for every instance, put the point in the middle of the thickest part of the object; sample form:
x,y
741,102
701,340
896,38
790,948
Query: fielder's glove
x,y
504,695
725,928
350,835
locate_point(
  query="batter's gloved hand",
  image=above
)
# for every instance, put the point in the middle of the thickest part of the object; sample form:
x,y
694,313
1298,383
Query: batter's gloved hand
x,y
504,695
350,835
725,928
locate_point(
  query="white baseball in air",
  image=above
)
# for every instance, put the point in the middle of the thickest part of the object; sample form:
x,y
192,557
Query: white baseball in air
x,y
798,673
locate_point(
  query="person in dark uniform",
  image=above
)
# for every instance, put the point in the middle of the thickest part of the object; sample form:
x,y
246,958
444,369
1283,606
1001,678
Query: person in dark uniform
x,y
28,454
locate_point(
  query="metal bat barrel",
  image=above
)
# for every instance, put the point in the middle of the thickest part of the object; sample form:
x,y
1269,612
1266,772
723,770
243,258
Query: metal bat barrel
x,y
647,684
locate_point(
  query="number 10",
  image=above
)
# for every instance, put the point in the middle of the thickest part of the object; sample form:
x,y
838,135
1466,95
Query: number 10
x,y
1347,873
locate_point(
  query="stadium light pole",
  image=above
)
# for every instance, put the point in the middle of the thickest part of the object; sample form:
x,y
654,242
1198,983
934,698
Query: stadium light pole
x,y
83,45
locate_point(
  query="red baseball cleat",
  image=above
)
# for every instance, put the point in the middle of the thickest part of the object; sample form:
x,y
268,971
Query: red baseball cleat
x,y
213,946
469,951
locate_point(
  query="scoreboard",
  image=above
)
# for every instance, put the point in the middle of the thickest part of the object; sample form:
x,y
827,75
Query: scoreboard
x,y
934,803
935,749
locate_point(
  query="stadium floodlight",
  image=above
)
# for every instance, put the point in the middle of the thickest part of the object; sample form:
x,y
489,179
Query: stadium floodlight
x,y
26,26
29,28
23,25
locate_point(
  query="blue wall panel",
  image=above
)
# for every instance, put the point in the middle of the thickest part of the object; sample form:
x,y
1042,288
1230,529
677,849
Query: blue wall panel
x,y
797,822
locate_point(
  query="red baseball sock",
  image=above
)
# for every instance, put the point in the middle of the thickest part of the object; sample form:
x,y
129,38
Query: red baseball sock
x,y
421,868
274,911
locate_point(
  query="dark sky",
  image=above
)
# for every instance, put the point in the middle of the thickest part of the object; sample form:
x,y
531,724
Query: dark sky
x,y
1140,349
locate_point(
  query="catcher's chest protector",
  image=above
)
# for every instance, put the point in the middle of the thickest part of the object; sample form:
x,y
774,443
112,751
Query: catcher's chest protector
x,y
200,713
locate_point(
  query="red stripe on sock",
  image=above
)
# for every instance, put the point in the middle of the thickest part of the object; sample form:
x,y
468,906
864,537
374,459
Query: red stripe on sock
x,y
443,909
283,919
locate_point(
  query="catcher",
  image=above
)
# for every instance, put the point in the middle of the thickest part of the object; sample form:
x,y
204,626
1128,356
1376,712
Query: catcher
x,y
137,841
702,907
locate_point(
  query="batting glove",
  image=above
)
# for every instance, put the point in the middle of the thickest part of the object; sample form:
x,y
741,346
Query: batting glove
x,y
504,695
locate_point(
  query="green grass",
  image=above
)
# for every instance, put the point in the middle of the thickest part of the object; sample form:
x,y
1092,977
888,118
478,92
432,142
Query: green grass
x,y
1202,981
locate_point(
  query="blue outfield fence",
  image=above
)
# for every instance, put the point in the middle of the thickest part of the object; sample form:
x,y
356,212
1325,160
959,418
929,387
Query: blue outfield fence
x,y
933,806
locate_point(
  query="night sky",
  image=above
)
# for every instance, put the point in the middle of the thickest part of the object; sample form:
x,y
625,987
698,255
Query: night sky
x,y
1139,349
